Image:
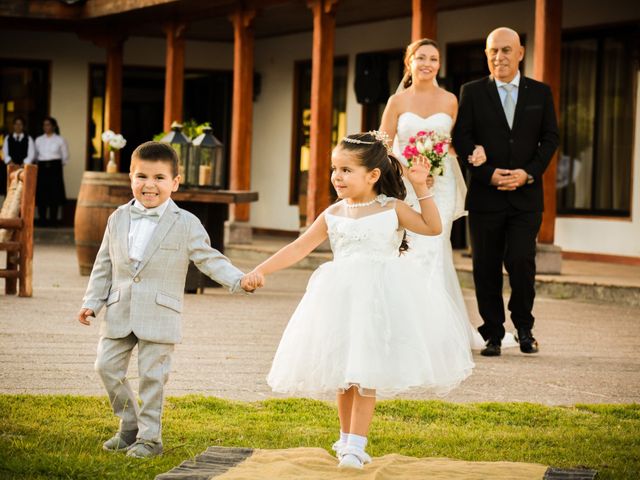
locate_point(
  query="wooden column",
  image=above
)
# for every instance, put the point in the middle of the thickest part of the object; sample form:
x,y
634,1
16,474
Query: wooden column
x,y
424,19
174,81
242,108
324,23
113,93
546,68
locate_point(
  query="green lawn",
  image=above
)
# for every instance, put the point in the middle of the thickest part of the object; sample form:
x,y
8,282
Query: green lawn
x,y
56,437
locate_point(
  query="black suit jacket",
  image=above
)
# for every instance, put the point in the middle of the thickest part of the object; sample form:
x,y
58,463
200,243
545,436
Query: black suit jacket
x,y
529,145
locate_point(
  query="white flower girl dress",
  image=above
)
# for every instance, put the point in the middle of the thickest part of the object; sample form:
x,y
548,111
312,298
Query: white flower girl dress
x,y
370,318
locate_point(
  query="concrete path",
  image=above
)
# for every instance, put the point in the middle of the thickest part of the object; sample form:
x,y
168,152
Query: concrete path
x,y
589,351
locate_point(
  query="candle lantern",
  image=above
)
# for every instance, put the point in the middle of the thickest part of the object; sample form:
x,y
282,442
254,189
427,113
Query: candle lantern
x,y
182,146
208,160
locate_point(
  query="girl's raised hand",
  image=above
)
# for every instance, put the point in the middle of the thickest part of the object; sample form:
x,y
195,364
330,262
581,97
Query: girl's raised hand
x,y
419,170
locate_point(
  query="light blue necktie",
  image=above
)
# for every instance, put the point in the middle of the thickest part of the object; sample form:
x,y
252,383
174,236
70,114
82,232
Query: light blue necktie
x,y
509,105
152,215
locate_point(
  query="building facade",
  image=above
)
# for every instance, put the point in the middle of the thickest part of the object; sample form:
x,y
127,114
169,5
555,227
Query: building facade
x,y
598,168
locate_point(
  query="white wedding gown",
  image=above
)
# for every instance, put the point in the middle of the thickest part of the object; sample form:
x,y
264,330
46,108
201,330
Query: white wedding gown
x,y
434,252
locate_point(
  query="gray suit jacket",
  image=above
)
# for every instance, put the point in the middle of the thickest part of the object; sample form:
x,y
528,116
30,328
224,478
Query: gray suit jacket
x,y
147,300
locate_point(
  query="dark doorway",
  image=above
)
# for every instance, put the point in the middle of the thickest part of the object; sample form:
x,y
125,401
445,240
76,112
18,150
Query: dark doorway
x,y
465,62
24,92
394,69
207,98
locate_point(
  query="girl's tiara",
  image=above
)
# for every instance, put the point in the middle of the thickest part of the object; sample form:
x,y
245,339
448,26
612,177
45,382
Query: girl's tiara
x,y
379,135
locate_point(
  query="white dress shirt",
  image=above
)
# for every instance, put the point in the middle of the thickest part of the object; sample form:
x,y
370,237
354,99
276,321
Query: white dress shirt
x,y
31,151
514,93
141,230
52,147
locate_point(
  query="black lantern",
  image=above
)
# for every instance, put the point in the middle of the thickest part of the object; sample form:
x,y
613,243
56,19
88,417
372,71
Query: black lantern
x,y
182,146
207,160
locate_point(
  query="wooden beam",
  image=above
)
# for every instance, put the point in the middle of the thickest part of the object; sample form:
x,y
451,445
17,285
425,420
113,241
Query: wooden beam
x,y
424,19
242,107
113,95
174,74
324,24
546,68
27,212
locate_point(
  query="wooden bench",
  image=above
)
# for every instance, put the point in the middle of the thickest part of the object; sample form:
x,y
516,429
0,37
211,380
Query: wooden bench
x,y
16,234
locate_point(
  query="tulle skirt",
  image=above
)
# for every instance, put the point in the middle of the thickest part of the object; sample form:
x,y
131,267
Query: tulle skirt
x,y
373,323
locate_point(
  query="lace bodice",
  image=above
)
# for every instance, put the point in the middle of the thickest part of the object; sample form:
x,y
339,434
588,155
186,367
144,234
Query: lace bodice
x,y
370,232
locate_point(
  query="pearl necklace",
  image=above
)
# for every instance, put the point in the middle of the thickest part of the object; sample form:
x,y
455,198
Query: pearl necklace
x,y
363,204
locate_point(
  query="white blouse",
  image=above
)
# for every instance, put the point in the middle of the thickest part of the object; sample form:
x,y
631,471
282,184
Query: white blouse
x,y
52,148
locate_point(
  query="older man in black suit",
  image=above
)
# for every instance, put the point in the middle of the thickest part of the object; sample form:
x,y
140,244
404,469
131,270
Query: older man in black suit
x,y
510,120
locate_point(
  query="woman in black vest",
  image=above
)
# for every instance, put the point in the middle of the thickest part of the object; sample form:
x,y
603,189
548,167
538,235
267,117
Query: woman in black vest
x,y
18,148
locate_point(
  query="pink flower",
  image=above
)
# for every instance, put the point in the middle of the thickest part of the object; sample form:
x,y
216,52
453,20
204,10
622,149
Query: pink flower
x,y
412,139
410,151
438,147
421,133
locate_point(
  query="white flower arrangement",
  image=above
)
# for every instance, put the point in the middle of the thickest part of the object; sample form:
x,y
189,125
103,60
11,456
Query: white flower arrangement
x,y
115,141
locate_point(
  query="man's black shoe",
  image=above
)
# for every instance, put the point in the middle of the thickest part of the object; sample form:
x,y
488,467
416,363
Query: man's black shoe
x,y
491,350
528,344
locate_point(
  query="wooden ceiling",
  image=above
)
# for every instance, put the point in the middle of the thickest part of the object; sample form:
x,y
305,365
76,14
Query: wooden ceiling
x,y
206,20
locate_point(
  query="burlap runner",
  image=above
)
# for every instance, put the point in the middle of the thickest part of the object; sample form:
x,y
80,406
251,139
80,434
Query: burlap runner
x,y
317,464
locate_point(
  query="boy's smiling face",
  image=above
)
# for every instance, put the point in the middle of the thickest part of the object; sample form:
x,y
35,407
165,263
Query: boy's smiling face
x,y
152,182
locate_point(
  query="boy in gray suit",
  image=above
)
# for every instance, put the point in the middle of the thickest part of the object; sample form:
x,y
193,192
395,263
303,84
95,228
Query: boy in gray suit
x,y
139,275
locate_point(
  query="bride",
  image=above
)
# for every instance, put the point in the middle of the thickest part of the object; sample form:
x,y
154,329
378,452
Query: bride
x,y
420,104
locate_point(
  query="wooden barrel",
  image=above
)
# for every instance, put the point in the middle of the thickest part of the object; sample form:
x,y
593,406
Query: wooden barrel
x,y
100,194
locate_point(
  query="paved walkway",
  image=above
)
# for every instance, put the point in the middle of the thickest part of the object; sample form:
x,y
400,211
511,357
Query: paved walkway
x,y
589,351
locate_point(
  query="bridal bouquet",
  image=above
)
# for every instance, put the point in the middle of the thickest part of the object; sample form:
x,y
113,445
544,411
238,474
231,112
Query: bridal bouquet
x,y
431,144
115,141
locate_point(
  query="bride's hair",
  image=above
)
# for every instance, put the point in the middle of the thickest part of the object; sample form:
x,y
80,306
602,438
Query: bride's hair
x,y
410,52
372,153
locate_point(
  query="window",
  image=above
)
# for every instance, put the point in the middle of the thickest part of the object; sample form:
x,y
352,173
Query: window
x,y
24,92
597,115
302,124
207,98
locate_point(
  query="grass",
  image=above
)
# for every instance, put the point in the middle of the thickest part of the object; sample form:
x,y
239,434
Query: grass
x,y
60,437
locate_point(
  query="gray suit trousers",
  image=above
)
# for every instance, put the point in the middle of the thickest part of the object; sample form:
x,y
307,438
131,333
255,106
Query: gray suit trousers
x,y
154,364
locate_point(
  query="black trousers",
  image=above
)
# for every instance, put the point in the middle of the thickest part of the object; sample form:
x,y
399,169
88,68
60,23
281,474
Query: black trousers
x,y
50,192
508,237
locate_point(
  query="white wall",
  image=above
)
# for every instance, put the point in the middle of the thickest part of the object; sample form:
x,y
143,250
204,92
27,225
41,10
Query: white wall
x,y
70,58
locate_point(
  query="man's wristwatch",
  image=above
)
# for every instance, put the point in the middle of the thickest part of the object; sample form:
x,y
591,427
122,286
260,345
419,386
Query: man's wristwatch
x,y
530,179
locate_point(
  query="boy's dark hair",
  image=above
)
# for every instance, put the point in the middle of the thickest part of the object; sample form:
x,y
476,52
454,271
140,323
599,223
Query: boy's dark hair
x,y
156,152
373,153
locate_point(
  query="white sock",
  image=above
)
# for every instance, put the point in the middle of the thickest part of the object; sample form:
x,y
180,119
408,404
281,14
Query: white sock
x,y
357,441
343,436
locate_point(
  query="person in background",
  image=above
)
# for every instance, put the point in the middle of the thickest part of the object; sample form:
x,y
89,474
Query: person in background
x,y
52,153
18,148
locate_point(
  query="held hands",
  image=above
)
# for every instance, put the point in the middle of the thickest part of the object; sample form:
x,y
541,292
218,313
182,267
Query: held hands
x,y
478,156
251,281
84,314
508,180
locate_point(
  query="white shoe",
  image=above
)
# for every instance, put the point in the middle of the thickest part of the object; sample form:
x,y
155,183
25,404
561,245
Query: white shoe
x,y
350,460
353,457
338,447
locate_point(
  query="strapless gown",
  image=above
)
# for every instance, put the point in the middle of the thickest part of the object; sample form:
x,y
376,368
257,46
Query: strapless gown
x,y
434,253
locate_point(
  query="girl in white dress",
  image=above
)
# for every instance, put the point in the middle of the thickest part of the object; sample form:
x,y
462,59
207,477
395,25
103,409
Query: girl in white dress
x,y
364,326
420,104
